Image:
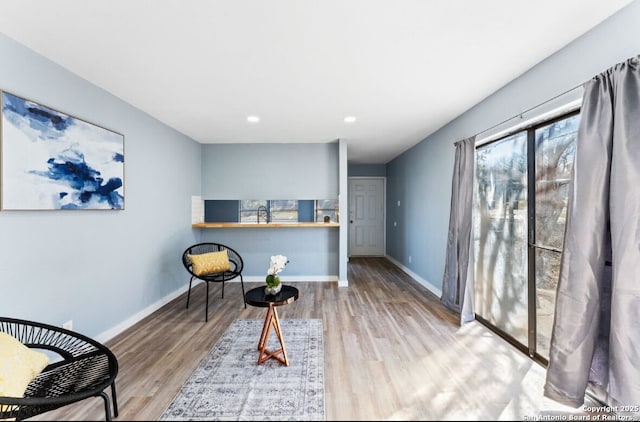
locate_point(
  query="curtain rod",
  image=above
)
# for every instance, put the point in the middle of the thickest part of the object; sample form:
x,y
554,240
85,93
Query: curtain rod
x,y
530,109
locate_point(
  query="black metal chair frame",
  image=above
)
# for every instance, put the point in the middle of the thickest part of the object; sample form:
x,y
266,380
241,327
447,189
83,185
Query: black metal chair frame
x,y
235,260
85,369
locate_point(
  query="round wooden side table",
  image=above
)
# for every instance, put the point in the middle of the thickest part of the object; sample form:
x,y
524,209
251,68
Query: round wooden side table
x,y
258,297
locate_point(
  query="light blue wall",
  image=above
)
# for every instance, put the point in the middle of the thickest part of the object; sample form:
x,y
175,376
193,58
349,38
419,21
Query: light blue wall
x,y
270,171
367,170
98,268
420,178
276,171
312,252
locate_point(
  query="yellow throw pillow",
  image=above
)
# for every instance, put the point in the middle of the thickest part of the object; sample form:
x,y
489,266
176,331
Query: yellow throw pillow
x,y
18,366
211,262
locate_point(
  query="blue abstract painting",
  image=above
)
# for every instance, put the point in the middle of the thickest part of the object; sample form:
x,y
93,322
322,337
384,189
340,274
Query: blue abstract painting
x,y
51,160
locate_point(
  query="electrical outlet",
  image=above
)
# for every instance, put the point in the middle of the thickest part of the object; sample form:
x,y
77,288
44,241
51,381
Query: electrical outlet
x,y
409,259
68,325
395,224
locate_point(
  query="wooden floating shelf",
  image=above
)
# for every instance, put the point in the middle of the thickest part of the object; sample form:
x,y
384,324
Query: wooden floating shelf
x,y
261,225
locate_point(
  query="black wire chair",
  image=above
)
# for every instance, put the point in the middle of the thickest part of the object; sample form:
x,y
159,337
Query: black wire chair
x,y
85,369
235,261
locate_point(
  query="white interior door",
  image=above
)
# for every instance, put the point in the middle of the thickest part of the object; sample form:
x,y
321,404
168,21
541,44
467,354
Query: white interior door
x,y
366,216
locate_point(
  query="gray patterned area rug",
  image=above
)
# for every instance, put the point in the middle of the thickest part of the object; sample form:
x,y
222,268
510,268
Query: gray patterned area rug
x,y
229,384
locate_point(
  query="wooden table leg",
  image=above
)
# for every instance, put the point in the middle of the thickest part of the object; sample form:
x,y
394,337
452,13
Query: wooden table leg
x,y
265,327
272,320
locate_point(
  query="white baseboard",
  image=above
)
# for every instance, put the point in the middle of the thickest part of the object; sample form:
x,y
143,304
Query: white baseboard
x,y
119,328
416,277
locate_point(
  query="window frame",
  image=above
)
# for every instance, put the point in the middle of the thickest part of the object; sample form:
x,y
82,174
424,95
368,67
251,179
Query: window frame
x,y
320,213
530,132
250,215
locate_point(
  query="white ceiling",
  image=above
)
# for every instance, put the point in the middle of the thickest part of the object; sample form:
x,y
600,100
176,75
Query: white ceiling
x,y
403,68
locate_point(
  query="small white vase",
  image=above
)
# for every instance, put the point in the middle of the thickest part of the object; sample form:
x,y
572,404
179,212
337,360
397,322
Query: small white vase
x,y
273,290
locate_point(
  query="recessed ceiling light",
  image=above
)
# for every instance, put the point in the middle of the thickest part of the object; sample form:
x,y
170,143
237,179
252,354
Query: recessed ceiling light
x,y
253,119
349,119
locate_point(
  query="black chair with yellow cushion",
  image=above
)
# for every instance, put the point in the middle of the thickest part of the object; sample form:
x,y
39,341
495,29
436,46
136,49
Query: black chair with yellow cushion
x,y
44,367
212,263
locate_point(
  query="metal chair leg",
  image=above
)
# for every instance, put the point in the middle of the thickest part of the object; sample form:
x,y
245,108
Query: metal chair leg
x,y
189,294
243,297
114,400
206,309
107,406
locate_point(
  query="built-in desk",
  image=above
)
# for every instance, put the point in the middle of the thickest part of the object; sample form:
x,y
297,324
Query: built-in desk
x,y
262,225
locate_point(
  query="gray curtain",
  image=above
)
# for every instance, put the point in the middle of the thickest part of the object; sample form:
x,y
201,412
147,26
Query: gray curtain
x,y
596,333
458,240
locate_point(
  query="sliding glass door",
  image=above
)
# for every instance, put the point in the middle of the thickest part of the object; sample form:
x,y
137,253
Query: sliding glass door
x,y
554,148
501,249
522,186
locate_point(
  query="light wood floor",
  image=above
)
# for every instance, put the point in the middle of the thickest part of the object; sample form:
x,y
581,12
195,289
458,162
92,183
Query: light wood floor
x,y
392,352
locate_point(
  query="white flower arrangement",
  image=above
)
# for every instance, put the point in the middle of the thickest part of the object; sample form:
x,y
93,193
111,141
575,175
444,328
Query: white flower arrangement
x,y
278,262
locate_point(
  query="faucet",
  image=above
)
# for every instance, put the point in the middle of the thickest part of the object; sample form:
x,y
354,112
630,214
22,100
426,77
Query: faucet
x,y
262,210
